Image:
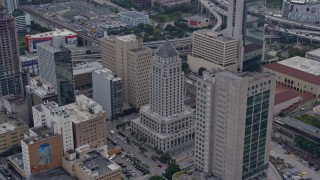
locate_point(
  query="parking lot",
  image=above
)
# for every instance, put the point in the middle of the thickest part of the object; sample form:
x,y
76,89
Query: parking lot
x,y
294,161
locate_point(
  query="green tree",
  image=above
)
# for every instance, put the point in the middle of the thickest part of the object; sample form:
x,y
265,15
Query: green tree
x,y
141,27
200,71
149,29
165,157
171,169
185,67
156,178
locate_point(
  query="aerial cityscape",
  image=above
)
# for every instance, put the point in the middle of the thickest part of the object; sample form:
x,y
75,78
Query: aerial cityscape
x,y
160,89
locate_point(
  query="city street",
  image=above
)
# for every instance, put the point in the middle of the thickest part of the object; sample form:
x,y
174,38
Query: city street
x,y
277,150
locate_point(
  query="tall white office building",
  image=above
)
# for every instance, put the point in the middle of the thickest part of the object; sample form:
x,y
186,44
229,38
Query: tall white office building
x,y
165,123
233,124
108,92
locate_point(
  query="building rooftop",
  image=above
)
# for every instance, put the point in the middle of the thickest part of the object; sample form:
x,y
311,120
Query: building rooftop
x,y
108,73
315,52
52,174
127,38
17,160
86,67
58,32
8,122
166,50
196,18
97,165
40,133
215,35
252,47
302,73
285,96
133,14
82,110
40,89
301,126
303,64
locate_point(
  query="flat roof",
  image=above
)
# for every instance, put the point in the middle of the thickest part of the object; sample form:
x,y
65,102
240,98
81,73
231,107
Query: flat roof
x,y
59,32
127,38
301,126
133,14
42,132
196,18
94,162
285,96
302,64
293,72
9,122
41,89
315,52
52,174
215,35
86,67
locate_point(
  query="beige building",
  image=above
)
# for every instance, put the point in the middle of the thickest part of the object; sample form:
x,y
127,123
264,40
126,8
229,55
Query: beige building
x,y
91,165
213,50
139,67
122,55
12,130
298,73
233,124
314,55
166,123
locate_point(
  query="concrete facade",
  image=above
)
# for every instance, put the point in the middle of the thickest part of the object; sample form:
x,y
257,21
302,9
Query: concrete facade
x,y
9,59
215,48
108,92
165,123
118,53
133,18
233,120
79,123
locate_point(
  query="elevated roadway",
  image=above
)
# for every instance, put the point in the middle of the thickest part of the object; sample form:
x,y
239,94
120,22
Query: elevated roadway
x,y
213,12
56,23
294,23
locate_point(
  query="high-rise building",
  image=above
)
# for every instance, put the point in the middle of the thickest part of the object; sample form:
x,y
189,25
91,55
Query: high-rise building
x,y
233,124
246,23
126,57
165,123
9,59
55,68
79,123
10,5
213,50
108,92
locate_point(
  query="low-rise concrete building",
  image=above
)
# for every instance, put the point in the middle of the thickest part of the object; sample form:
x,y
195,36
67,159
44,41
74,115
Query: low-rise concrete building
x,y
12,130
91,165
297,73
197,21
133,18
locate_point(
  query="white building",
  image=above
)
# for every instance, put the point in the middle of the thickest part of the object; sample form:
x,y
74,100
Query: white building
x,y
233,124
133,18
314,55
165,123
67,120
108,92
22,22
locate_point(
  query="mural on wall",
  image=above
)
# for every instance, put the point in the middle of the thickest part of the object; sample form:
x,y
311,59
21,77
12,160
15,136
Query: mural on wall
x,y
44,154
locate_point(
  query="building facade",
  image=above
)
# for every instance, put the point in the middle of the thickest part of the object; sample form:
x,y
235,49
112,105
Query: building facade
x,y
297,73
139,63
41,150
79,123
10,5
23,21
233,124
12,130
246,24
55,69
213,50
9,59
165,123
120,55
108,92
